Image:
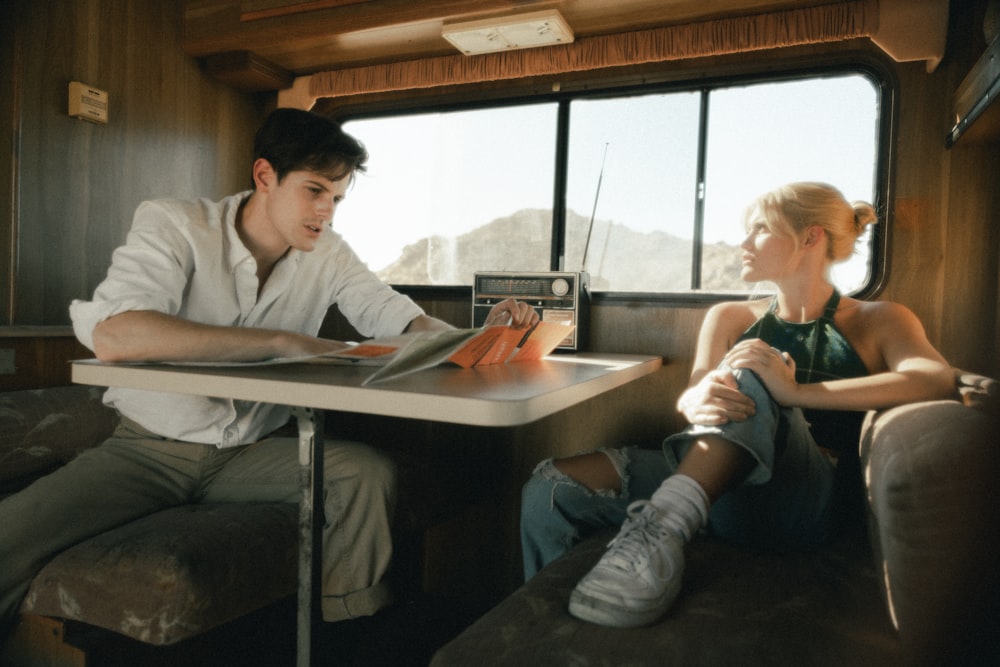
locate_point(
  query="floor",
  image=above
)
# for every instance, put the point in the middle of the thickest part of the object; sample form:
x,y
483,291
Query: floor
x,y
404,635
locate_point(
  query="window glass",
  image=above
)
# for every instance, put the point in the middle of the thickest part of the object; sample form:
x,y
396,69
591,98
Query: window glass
x,y
765,135
433,179
454,192
643,153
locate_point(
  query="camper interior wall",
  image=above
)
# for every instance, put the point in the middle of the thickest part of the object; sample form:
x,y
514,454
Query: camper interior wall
x,y
70,187
68,190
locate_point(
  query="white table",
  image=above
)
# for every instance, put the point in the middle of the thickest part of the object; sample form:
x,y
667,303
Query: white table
x,y
497,395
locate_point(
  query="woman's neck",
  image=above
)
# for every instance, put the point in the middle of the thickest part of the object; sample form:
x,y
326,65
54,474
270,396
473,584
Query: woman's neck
x,y
803,302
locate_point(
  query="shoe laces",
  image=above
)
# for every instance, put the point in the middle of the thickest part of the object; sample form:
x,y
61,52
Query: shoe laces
x,y
641,535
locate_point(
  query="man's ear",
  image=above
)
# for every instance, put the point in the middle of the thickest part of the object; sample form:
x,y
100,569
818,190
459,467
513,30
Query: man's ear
x,y
264,176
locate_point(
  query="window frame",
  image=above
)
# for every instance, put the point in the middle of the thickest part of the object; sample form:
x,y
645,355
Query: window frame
x,y
866,64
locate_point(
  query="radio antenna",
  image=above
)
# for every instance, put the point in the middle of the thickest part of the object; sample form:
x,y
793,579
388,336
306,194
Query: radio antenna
x,y
593,212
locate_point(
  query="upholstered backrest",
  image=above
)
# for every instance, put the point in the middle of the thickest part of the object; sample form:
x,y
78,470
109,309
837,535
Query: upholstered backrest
x,y
931,471
44,428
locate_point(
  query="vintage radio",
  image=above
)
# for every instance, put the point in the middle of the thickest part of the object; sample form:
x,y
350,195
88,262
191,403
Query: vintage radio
x,y
557,296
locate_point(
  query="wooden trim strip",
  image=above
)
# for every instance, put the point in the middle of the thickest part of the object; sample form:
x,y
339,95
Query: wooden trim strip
x,y
812,25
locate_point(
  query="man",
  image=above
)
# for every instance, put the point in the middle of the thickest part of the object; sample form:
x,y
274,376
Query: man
x,y
246,278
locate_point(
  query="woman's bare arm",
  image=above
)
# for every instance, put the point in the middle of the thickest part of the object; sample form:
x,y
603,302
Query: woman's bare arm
x,y
913,369
712,395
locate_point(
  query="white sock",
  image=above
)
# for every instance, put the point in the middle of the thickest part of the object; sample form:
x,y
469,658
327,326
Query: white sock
x,y
682,504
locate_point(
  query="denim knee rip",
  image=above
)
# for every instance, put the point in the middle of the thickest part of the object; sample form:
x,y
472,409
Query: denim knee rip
x,y
619,460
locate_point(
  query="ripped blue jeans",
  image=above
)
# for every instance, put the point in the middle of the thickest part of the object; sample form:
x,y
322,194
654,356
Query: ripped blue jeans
x,y
784,502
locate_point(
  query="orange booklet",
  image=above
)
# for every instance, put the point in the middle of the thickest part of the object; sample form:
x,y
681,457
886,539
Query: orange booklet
x,y
464,347
407,353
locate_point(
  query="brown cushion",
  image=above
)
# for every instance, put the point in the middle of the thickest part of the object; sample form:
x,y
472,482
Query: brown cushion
x,y
176,573
932,471
736,607
42,428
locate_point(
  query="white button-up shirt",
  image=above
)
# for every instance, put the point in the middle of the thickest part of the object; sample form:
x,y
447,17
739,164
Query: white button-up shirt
x,y
186,259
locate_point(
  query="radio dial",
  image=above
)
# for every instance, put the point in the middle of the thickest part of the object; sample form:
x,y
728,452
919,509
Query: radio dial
x,y
560,287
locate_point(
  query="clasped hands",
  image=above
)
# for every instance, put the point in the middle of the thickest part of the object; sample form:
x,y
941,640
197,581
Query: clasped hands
x,y
716,398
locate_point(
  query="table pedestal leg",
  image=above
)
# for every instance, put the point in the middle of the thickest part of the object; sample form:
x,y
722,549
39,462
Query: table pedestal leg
x,y
310,532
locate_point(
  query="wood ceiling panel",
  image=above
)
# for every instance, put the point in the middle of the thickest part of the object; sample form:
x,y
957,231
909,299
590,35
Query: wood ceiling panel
x,y
256,10
308,36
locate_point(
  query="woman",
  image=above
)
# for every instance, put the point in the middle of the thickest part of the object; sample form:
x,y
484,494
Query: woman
x,y
775,401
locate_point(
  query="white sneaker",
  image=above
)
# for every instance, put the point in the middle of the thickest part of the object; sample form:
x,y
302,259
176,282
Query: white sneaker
x,y
637,578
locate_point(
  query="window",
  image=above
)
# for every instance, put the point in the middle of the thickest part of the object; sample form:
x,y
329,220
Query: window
x,y
643,151
645,190
444,190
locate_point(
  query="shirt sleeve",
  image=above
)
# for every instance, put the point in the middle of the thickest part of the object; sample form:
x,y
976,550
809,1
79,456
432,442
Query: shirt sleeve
x,y
149,272
372,307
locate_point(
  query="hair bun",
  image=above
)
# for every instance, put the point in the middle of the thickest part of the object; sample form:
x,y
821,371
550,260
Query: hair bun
x,y
864,215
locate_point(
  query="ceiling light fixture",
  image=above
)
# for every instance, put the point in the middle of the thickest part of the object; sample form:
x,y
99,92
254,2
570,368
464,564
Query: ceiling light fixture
x,y
523,31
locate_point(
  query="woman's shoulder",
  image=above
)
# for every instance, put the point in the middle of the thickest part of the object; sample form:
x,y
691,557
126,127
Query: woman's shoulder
x,y
737,315
753,308
873,325
876,313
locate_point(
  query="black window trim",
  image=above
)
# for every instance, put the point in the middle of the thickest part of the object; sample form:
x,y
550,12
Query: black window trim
x,y
863,63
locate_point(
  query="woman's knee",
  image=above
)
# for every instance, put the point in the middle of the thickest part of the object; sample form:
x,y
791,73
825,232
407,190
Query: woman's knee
x,y
750,384
596,470
549,483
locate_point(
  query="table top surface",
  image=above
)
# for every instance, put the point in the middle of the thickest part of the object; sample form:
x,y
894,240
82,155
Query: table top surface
x,y
497,395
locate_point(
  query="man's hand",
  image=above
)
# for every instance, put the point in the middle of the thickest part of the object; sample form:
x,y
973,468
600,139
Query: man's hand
x,y
517,314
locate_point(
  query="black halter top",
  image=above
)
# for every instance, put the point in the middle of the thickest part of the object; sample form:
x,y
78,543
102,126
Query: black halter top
x,y
821,352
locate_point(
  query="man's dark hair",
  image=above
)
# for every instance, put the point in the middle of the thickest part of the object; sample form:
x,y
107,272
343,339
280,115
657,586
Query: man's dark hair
x,y
296,140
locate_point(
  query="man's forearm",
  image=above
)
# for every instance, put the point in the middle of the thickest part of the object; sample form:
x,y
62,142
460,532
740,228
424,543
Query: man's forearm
x,y
427,323
153,336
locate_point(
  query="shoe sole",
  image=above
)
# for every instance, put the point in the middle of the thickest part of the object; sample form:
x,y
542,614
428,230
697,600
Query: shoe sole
x,y
602,612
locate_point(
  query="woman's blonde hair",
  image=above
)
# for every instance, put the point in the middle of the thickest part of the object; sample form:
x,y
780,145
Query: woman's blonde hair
x,y
795,207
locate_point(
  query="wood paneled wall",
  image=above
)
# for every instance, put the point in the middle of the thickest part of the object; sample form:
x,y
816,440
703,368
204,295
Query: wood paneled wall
x,y
945,235
73,186
70,188
40,356
68,191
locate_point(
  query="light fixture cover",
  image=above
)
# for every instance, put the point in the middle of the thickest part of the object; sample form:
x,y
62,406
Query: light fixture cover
x,y
522,31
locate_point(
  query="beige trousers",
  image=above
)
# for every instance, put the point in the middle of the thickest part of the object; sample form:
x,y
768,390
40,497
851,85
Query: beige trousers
x,y
135,473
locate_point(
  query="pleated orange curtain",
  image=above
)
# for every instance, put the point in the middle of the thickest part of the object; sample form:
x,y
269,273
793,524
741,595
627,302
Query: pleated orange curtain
x,y
808,25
